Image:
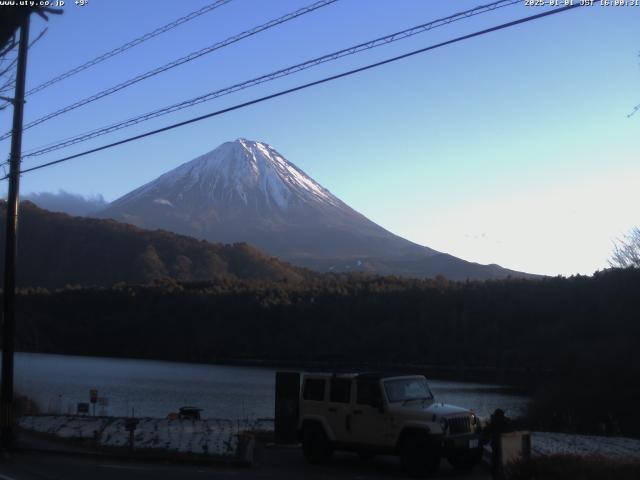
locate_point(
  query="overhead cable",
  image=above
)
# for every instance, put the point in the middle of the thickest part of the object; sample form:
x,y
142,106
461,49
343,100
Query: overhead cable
x,y
128,45
269,77
302,87
180,61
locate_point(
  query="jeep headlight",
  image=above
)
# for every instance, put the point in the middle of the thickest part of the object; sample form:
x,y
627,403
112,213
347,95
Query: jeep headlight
x,y
474,420
443,424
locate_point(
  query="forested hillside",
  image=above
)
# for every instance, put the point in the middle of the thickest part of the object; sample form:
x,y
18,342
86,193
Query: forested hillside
x,y
56,250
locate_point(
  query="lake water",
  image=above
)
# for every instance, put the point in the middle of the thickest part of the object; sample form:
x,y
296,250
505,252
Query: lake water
x,y
154,388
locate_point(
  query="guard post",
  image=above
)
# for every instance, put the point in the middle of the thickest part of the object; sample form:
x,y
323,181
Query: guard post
x,y
507,445
287,411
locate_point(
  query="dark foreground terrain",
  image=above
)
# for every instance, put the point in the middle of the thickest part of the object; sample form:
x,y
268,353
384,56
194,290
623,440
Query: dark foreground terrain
x,y
273,463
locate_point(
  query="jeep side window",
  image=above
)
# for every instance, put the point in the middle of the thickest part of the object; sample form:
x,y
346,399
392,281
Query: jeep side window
x,y
313,389
369,393
340,390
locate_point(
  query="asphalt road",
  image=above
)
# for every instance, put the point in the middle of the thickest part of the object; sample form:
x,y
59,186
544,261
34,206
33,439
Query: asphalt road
x,y
272,463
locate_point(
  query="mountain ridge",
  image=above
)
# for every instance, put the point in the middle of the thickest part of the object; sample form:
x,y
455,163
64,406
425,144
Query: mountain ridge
x,y
247,191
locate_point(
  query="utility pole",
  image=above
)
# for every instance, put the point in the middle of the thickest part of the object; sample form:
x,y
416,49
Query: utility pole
x,y
9,303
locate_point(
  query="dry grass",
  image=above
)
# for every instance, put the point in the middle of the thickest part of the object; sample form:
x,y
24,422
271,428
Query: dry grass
x,y
568,467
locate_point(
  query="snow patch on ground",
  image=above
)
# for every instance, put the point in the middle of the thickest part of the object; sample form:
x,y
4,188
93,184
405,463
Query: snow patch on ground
x,y
63,426
546,443
218,438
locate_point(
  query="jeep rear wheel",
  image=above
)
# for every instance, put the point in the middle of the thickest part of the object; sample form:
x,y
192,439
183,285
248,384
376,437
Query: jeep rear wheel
x,y
315,444
419,454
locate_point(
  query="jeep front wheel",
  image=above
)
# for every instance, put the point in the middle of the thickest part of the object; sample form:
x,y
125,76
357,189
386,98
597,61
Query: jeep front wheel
x,y
420,456
366,455
315,444
465,460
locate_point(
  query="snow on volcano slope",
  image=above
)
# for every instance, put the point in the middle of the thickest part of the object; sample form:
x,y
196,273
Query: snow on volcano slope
x,y
237,170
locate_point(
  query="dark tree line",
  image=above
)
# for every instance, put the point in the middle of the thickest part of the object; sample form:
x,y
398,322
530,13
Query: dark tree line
x,y
551,324
571,340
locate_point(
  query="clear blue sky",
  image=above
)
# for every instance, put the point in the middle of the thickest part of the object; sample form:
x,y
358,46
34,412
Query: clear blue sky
x,y
512,148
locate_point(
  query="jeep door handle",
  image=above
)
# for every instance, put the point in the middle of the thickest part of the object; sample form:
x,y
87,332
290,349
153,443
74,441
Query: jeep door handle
x,y
333,409
357,412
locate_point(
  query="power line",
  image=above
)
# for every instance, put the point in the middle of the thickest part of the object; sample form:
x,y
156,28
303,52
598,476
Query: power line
x,y
269,77
10,45
180,61
302,87
129,45
11,82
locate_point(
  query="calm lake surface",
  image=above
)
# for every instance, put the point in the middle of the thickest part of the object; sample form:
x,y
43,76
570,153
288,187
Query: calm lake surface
x,y
154,388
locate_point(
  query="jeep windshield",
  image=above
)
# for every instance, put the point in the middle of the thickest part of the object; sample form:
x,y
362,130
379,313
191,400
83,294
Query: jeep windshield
x,y
407,389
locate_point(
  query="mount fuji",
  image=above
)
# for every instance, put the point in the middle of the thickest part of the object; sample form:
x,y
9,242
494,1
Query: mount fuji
x,y
245,191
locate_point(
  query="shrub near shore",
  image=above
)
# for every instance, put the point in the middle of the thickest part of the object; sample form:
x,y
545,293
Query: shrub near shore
x,y
24,405
588,403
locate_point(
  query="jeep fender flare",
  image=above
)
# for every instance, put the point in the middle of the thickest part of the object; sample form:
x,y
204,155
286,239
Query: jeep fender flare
x,y
319,420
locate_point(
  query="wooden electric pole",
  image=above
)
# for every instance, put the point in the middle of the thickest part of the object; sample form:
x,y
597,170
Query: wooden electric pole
x,y
9,303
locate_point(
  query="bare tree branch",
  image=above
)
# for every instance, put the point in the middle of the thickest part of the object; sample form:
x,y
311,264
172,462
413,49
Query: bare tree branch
x,y
8,67
10,81
626,251
10,46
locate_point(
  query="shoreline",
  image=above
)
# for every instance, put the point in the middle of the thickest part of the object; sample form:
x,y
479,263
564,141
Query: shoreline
x,y
506,381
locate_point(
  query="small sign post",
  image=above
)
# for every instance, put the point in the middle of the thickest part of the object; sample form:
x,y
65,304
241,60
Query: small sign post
x,y
130,425
93,398
104,403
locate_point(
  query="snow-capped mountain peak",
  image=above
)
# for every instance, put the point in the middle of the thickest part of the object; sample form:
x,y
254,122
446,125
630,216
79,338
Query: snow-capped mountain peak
x,y
238,171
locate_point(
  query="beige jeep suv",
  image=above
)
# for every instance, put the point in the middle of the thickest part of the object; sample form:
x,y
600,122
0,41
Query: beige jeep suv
x,y
372,413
